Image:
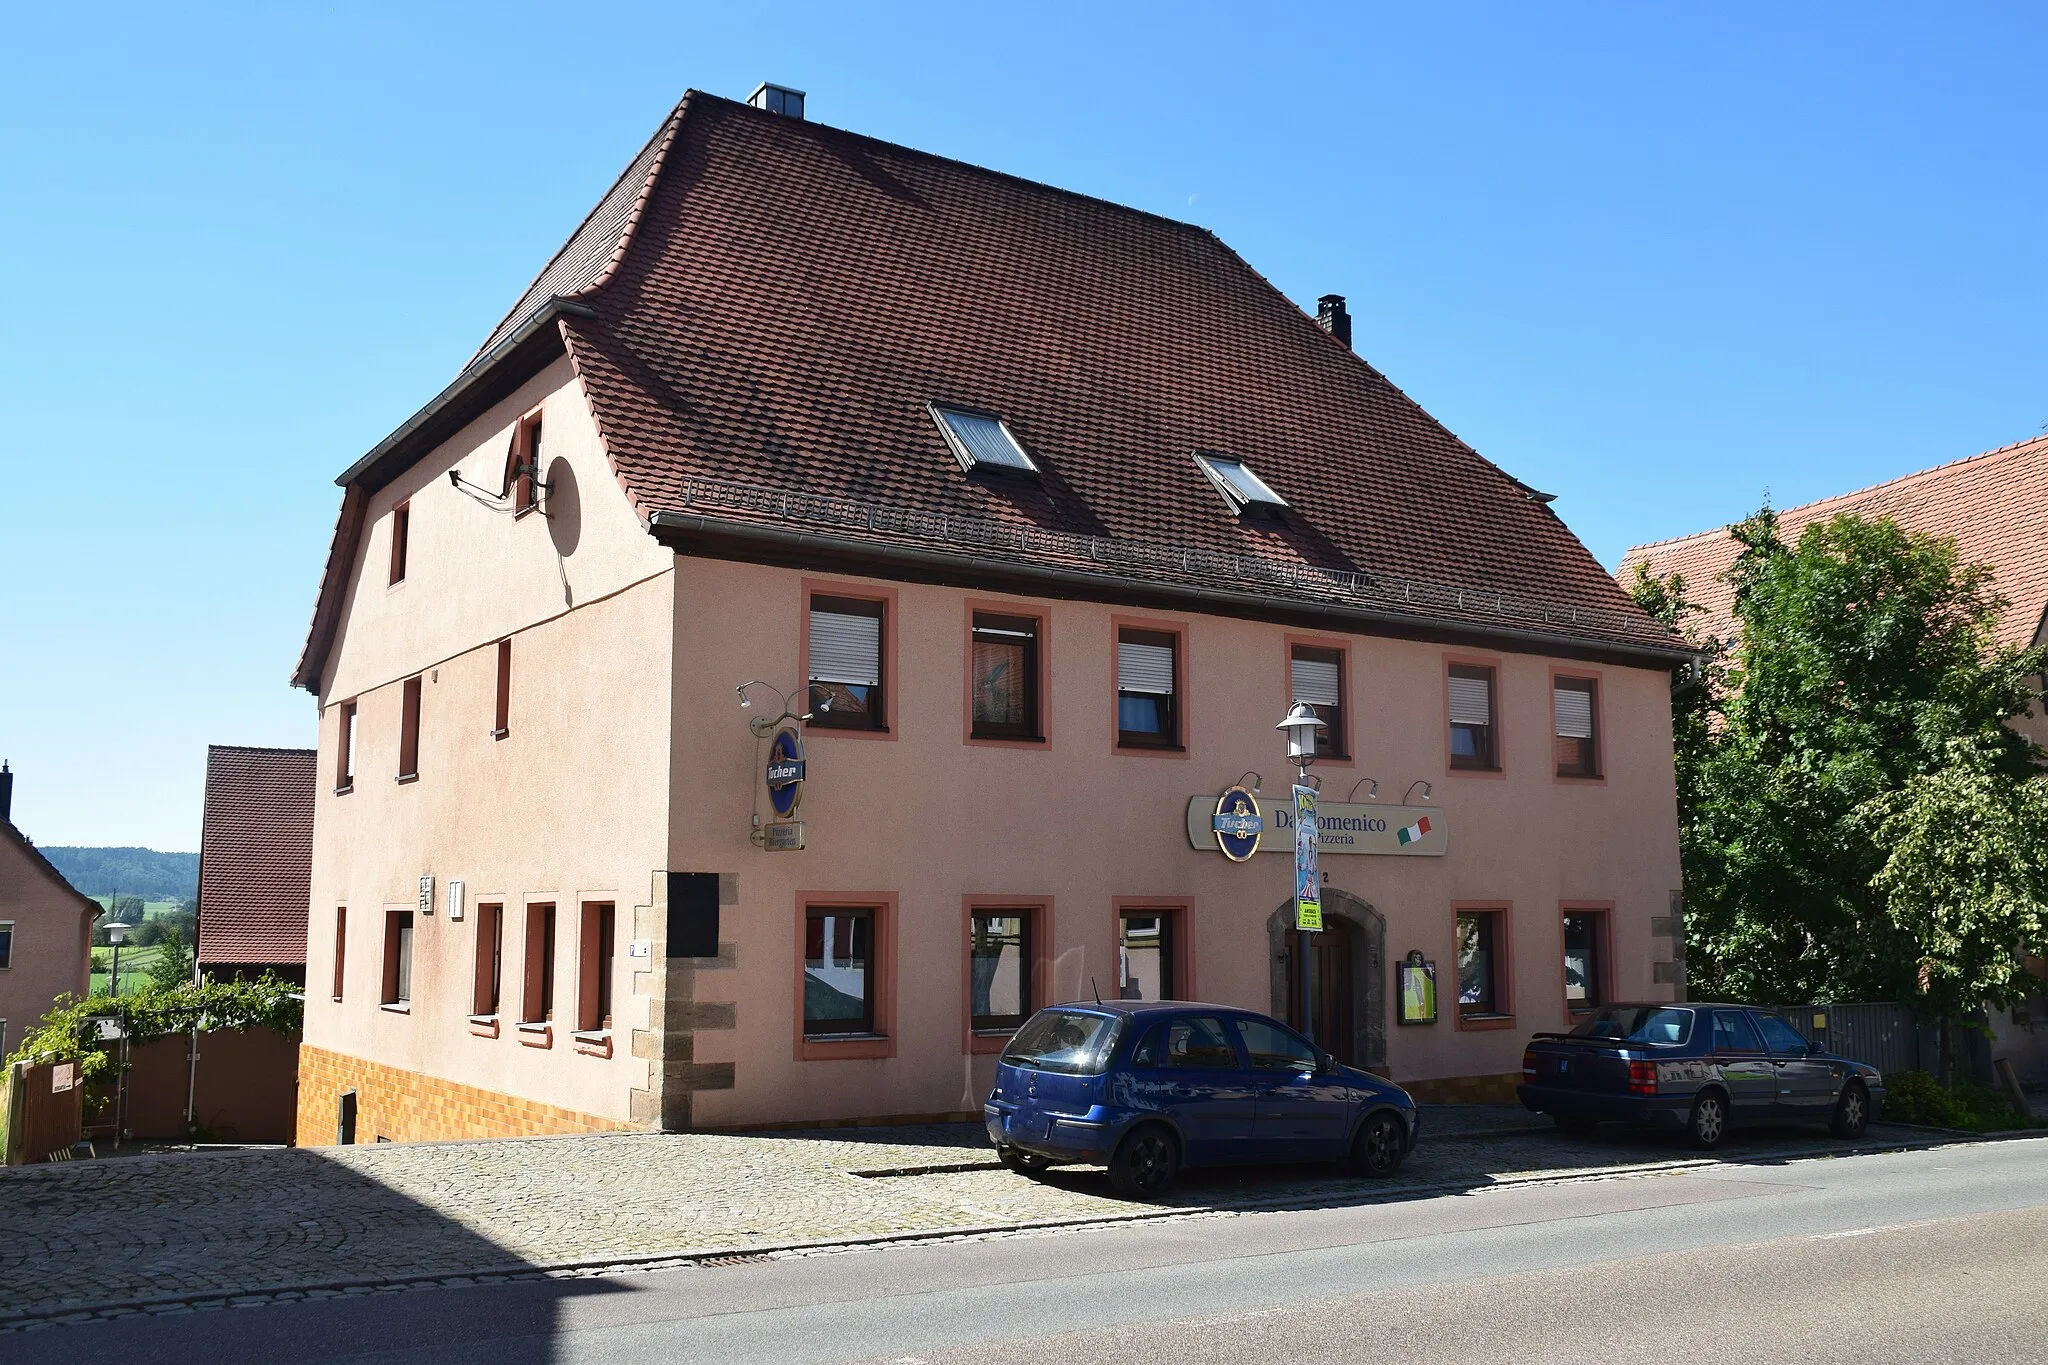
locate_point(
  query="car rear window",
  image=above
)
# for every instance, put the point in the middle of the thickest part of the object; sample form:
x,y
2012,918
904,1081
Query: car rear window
x,y
1064,1040
1638,1024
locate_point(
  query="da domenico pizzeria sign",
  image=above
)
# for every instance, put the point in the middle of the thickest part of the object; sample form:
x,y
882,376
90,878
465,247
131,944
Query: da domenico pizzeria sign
x,y
1361,827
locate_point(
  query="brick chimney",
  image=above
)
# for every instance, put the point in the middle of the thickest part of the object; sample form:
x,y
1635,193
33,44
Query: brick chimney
x,y
6,793
1331,317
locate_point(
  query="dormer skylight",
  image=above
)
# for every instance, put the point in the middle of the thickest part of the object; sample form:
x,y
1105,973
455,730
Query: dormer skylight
x,y
981,440
1245,491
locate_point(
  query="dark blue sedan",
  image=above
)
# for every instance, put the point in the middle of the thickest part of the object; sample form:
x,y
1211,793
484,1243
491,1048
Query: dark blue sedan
x,y
1699,1067
1147,1088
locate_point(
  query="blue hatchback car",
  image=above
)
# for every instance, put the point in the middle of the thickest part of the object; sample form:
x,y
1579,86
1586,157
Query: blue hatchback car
x,y
1147,1088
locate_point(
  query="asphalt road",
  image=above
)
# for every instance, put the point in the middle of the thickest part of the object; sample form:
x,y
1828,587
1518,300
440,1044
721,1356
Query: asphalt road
x,y
1936,1255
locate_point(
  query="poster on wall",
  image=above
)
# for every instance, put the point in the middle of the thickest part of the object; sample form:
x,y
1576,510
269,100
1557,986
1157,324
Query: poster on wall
x,y
1308,889
1418,990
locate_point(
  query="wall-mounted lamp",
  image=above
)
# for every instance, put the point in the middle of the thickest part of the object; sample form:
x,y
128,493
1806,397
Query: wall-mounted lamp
x,y
1372,795
763,724
1255,781
1418,782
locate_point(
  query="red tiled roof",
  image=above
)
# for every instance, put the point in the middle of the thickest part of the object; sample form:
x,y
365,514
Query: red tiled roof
x,y
782,301
1994,505
256,855
793,296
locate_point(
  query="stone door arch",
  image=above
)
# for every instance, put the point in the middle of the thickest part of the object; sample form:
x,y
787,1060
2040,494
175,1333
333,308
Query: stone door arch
x,y
1367,934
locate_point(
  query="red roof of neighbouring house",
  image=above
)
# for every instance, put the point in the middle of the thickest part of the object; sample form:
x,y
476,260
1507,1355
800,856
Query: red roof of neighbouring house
x,y
1994,506
256,855
761,309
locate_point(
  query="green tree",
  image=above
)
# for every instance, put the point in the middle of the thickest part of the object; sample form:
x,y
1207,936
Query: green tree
x,y
1965,877
1863,697
173,965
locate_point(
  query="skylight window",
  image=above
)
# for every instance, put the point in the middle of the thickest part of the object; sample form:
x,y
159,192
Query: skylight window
x,y
1242,489
981,440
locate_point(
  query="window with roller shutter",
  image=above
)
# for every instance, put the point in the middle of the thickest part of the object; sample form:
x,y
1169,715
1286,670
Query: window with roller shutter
x,y
845,653
1147,689
1472,719
1316,676
1572,704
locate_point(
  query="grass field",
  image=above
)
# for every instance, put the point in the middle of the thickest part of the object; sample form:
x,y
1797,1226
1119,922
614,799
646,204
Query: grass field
x,y
149,909
135,965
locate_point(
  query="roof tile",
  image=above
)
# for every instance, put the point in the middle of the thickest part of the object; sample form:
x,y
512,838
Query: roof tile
x,y
1994,506
792,296
256,854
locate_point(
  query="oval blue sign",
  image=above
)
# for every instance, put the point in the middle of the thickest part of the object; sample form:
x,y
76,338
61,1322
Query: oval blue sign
x,y
1237,823
785,772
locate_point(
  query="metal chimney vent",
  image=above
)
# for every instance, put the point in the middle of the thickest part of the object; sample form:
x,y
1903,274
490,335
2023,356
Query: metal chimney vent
x,y
1332,317
778,99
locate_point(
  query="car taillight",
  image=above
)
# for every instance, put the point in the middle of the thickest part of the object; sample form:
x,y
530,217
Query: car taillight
x,y
1529,1063
1642,1078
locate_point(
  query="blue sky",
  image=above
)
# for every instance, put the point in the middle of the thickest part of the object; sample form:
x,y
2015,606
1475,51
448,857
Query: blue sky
x,y
1662,260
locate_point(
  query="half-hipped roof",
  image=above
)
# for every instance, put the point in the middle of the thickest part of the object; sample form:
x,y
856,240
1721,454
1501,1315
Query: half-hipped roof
x,y
1994,506
762,311
256,855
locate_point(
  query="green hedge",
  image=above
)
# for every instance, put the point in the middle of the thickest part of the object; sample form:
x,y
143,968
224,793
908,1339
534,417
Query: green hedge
x,y
70,1031
1916,1097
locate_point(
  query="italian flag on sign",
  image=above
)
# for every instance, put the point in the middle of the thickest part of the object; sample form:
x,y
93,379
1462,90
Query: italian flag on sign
x,y
1414,832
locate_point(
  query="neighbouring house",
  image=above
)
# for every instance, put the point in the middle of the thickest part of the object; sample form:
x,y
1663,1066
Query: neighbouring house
x,y
1995,507
45,929
255,862
1016,520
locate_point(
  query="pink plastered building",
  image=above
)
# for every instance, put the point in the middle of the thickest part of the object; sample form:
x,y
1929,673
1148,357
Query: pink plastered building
x,y
45,930
1017,519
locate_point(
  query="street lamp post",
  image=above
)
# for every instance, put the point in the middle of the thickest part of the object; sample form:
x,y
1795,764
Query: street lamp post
x,y
1301,724
116,932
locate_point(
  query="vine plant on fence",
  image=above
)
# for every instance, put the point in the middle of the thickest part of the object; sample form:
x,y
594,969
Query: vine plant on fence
x,y
70,1031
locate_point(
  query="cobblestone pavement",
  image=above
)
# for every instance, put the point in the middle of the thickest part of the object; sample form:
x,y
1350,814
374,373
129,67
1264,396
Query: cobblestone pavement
x,y
179,1228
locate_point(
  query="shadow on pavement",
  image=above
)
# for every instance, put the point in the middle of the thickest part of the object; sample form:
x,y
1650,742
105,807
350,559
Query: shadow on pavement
x,y
211,1229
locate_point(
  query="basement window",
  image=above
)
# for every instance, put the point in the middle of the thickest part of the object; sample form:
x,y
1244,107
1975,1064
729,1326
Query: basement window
x,y
1245,491
981,440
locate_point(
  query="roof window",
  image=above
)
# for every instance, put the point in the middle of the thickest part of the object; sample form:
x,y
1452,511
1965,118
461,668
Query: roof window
x,y
1245,491
778,99
980,440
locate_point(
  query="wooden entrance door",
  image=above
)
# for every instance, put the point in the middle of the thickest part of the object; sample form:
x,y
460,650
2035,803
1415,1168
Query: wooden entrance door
x,y
1335,995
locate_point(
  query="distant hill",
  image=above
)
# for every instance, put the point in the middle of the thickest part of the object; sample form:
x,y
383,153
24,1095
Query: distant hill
x,y
140,872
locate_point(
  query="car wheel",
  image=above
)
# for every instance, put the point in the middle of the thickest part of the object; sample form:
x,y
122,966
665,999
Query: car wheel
x,y
1145,1163
1852,1112
1023,1163
1709,1121
1572,1125
1377,1151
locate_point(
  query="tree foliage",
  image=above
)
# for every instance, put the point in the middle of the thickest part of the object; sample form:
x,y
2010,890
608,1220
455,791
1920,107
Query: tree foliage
x,y
1852,803
136,871
173,964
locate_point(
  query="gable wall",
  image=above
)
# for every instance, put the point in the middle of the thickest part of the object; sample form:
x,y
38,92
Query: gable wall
x,y
49,957
568,807
473,574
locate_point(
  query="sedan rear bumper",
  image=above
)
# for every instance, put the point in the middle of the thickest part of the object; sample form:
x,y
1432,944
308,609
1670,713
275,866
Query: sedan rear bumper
x,y
1645,1111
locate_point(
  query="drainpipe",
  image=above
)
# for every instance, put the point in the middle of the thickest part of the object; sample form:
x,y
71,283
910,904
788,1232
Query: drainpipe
x,y
192,1050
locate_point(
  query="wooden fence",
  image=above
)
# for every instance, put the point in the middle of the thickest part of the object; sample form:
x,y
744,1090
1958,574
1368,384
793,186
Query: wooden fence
x,y
41,1112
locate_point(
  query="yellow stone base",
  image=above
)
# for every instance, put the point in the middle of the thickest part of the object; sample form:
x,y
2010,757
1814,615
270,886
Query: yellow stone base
x,y
409,1106
1465,1089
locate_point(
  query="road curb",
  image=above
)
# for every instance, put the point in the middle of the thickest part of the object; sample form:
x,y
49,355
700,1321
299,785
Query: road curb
x,y
16,1320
